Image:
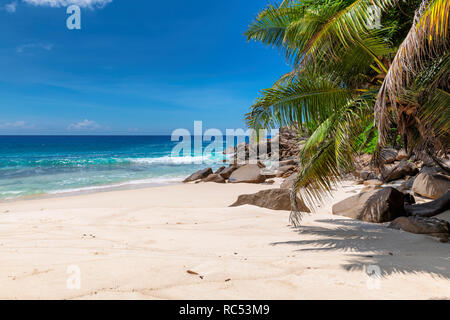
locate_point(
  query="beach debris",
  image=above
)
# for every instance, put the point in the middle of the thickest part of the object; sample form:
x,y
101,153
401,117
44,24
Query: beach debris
x,y
430,209
192,272
274,199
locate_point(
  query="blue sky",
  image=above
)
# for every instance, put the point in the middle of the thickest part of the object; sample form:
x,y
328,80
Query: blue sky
x,y
135,67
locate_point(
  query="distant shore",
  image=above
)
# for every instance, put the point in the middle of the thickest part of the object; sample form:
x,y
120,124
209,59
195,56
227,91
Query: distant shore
x,y
183,240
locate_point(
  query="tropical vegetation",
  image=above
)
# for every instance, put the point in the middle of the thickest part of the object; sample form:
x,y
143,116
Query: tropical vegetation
x,y
357,84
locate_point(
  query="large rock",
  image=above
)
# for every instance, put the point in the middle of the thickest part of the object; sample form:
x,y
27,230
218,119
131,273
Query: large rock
x,y
226,173
388,155
431,185
275,199
201,174
409,199
402,169
249,173
218,171
367,174
407,184
421,225
430,209
289,144
432,169
376,206
217,178
402,155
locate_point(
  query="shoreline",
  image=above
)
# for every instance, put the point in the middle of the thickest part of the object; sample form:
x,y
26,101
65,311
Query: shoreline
x,y
128,185
141,243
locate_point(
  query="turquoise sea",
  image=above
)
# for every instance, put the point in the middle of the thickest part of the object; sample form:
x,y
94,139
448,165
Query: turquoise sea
x,y
42,165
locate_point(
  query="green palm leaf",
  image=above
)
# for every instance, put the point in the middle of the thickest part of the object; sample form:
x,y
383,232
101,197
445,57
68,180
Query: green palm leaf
x,y
307,97
427,40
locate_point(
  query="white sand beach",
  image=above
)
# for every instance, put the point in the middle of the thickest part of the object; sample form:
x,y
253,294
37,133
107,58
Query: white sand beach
x,y
139,244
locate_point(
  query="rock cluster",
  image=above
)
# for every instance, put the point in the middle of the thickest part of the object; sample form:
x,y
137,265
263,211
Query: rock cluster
x,y
388,194
241,170
287,141
422,178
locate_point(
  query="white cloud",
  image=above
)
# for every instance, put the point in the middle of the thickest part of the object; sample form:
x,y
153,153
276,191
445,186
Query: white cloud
x,y
11,7
83,125
15,125
66,3
44,46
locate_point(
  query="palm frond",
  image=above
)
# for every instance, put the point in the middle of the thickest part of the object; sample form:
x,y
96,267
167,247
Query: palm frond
x,y
331,28
307,97
427,40
328,153
436,113
269,27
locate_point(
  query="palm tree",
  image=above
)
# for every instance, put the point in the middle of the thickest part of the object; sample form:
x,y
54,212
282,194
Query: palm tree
x,y
340,67
417,84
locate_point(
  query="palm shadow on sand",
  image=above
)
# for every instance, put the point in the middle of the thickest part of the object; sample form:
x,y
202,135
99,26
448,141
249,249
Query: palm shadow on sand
x,y
392,250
